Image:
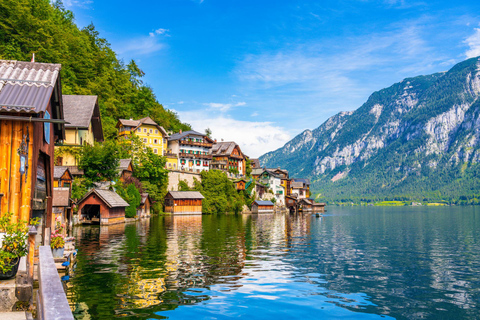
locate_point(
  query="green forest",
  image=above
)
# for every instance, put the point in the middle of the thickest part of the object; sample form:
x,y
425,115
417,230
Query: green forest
x,y
89,65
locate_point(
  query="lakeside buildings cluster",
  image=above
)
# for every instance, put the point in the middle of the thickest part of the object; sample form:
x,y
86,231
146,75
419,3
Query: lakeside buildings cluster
x,y
36,118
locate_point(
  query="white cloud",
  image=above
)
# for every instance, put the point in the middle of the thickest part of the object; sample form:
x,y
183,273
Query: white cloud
x,y
223,107
254,138
77,3
143,45
474,44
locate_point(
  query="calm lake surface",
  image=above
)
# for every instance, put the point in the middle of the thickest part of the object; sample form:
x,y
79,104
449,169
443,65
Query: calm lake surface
x,y
353,263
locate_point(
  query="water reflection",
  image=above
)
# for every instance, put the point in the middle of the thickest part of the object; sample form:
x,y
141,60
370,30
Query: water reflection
x,y
413,263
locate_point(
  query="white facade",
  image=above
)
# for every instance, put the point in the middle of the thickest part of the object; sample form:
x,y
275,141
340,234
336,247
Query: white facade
x,y
193,152
275,184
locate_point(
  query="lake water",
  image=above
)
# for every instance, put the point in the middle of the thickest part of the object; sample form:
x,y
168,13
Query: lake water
x,y
352,263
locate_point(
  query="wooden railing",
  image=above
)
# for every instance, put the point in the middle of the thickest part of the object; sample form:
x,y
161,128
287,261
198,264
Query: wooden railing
x,y
194,143
195,156
52,303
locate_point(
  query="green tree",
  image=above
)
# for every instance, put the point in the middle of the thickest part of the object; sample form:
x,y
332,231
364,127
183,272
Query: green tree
x,y
100,161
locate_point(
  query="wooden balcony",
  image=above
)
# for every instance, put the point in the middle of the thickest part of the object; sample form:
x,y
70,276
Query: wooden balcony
x,y
195,156
199,144
169,154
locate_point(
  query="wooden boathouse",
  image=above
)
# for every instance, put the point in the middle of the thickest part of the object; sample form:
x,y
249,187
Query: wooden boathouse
x,y
260,206
31,120
102,207
183,202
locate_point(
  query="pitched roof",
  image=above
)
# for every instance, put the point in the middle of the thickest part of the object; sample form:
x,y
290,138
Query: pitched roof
x,y
224,148
138,123
123,164
81,111
111,198
145,196
186,195
61,197
178,136
26,86
255,163
59,171
257,171
297,185
306,181
75,171
263,203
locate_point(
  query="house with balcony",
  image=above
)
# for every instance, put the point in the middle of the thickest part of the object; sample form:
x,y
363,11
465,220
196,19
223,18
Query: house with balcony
x,y
300,188
192,150
150,133
227,157
273,182
83,125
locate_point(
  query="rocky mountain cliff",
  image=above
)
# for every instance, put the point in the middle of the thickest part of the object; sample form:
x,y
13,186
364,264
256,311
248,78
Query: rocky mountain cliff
x,y
417,139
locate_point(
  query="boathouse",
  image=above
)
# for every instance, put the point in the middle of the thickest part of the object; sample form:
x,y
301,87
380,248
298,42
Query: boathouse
x,y
260,206
31,120
125,169
102,207
183,202
143,211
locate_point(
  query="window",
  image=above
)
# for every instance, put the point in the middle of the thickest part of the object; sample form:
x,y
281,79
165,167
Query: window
x,y
197,162
139,130
155,141
155,151
182,161
151,131
156,131
164,141
144,130
144,140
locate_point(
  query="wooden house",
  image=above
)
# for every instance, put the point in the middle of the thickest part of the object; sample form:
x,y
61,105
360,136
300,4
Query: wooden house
x,y
227,157
260,206
183,202
31,120
62,205
305,205
125,169
318,207
143,210
102,207
240,184
62,177
255,163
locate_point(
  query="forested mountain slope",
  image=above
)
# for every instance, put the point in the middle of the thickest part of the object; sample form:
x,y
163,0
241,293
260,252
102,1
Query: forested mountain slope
x,y
89,65
419,138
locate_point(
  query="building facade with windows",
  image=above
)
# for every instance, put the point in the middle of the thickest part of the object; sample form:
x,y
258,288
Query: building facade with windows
x,y
191,149
150,133
228,157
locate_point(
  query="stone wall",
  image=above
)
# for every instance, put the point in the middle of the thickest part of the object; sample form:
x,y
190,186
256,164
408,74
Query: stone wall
x,y
174,177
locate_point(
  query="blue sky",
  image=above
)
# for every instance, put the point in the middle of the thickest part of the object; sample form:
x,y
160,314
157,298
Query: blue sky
x,y
261,72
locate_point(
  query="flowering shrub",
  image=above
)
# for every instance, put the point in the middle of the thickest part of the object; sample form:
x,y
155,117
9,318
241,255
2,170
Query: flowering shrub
x,y
57,238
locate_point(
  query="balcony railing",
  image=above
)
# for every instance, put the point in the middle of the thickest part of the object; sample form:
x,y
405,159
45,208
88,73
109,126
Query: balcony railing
x,y
195,156
169,154
194,143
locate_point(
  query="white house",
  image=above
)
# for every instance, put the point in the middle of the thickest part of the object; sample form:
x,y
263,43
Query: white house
x,y
192,149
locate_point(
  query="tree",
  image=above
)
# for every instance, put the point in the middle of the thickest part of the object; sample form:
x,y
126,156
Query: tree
x,y
208,132
100,161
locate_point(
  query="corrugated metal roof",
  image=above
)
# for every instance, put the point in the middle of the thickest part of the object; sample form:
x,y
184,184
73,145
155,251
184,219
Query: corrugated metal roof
x,y
78,110
61,197
263,203
26,86
186,195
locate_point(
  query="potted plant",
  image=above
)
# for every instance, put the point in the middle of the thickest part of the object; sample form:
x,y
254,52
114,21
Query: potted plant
x,y
14,245
57,239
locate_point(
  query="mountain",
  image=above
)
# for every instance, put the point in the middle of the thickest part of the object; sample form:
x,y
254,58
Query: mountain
x,y
419,138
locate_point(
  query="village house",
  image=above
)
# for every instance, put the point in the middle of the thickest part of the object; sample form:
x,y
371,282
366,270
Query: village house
x,y
227,157
257,172
62,204
84,125
255,163
31,121
240,184
259,206
192,150
273,182
143,211
62,178
150,133
102,207
300,188
125,169
183,202
285,183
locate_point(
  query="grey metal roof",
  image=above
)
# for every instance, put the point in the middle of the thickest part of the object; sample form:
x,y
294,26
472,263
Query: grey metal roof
x,y
61,197
186,195
263,203
111,198
178,136
123,164
58,171
26,86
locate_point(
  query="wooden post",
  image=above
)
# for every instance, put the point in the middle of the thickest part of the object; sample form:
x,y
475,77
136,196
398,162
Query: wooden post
x,y
32,233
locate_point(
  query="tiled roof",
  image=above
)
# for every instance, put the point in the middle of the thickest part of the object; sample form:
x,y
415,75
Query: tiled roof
x,y
263,203
75,171
129,123
297,185
224,148
111,198
255,163
61,197
58,171
178,136
138,123
186,195
26,86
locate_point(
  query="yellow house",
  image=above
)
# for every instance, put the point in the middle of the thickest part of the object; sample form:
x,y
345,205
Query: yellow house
x,y
150,133
84,125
